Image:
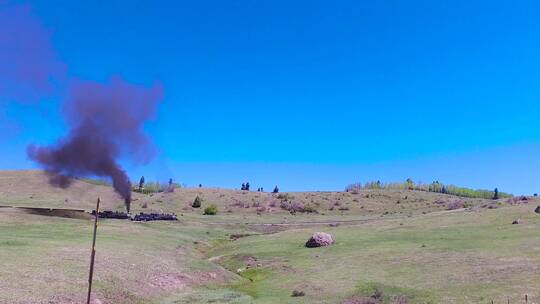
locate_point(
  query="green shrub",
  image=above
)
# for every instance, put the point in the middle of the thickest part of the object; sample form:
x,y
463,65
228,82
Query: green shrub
x,y
197,202
310,209
211,210
285,197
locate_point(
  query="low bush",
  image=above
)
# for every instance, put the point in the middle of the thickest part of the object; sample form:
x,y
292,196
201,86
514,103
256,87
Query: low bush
x,y
310,209
211,210
285,197
292,207
457,204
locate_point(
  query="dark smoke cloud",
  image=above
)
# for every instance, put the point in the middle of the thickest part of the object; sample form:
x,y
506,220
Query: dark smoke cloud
x,y
106,122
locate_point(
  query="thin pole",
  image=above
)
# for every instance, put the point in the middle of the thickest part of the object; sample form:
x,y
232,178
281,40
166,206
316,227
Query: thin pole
x,y
93,254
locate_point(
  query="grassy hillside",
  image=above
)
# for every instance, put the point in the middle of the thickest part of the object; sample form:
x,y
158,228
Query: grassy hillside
x,y
31,188
402,244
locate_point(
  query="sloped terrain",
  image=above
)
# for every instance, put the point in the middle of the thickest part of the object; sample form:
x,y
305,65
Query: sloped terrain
x,y
392,246
30,188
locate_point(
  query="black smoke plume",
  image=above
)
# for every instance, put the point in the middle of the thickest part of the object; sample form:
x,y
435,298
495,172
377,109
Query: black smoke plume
x,y
105,120
106,124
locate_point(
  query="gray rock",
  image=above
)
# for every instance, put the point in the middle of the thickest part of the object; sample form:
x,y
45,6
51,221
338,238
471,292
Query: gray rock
x,y
320,239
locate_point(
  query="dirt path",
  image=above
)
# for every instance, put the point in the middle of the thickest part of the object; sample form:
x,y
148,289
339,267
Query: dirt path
x,y
306,223
333,222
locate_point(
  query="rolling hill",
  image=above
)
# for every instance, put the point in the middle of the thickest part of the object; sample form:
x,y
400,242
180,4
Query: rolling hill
x,y
392,246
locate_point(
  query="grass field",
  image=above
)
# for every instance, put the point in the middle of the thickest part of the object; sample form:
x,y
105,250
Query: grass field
x,y
403,245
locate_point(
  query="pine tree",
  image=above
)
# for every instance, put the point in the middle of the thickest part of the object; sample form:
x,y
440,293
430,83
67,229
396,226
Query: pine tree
x,y
141,183
496,194
435,187
276,190
410,184
197,202
170,188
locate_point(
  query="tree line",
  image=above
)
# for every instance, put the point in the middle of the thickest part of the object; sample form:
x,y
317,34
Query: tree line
x,y
154,187
435,186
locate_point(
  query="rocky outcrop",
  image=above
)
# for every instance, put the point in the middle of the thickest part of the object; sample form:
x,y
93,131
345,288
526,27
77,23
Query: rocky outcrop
x,y
320,239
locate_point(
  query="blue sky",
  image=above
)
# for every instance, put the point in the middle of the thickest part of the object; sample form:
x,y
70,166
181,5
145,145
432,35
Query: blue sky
x,y
310,94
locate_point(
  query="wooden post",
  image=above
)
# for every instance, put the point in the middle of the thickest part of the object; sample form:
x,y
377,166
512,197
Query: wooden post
x,y
526,299
93,254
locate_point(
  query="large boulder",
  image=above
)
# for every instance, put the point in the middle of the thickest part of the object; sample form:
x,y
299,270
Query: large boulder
x,y
320,239
537,210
